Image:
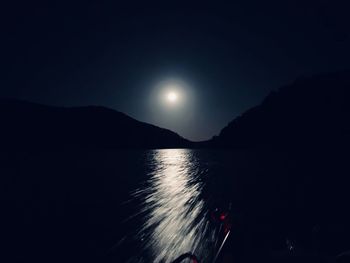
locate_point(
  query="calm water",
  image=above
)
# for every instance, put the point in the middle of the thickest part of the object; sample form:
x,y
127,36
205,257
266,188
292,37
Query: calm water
x,y
174,215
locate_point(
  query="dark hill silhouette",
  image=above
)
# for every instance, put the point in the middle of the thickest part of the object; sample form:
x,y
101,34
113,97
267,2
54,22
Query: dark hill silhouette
x,y
311,111
25,124
300,135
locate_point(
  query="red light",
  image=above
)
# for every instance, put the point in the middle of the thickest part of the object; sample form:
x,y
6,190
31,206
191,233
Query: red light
x,y
222,217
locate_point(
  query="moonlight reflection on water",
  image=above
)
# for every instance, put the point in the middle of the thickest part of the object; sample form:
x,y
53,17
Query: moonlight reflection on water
x,y
175,216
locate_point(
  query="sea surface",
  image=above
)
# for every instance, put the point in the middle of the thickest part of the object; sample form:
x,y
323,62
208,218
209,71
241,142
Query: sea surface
x,y
127,205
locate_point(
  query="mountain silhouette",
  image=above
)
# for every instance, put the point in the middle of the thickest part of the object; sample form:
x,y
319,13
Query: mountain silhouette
x,y
313,111
36,126
289,170
293,163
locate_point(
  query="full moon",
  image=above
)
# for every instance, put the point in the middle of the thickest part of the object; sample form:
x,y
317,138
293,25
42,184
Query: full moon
x,y
172,96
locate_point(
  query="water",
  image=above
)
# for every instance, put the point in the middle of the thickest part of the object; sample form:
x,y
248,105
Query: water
x,y
110,206
131,205
173,214
154,205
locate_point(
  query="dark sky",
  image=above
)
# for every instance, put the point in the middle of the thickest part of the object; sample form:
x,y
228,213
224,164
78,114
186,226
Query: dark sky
x,y
226,58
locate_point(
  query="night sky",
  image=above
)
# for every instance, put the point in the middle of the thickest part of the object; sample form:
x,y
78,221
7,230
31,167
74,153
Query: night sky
x,y
223,58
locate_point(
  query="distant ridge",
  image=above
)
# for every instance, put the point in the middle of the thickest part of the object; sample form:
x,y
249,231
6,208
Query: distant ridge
x,y
311,111
35,126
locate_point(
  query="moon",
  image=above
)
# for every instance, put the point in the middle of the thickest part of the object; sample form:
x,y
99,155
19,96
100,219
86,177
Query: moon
x,y
172,96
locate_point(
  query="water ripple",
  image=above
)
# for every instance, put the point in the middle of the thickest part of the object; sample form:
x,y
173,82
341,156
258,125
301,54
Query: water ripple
x,y
174,214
